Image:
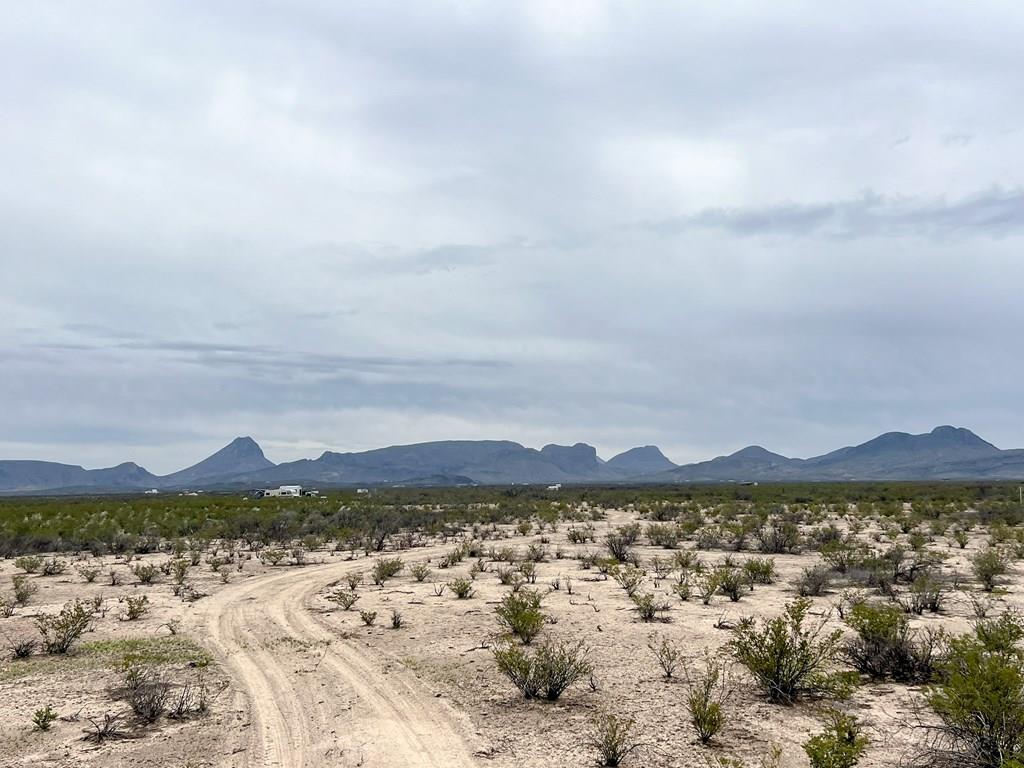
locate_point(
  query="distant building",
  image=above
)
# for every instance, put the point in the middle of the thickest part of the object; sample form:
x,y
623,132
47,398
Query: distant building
x,y
284,490
362,490
152,490
555,487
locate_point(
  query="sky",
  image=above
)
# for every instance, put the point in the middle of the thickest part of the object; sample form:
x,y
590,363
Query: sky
x,y
348,225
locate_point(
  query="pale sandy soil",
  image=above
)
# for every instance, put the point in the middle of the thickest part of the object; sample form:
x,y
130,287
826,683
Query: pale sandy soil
x,y
307,684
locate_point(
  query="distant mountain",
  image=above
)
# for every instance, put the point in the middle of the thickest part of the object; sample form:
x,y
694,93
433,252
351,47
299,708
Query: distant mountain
x,y
645,460
30,476
243,454
944,453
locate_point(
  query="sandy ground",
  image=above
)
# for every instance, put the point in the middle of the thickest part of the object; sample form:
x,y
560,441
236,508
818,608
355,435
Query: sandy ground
x,y
304,683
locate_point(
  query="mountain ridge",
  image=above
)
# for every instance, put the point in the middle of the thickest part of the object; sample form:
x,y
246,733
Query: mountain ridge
x,y
946,452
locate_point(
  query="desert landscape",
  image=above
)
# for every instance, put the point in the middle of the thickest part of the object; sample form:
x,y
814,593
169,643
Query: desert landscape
x,y
405,642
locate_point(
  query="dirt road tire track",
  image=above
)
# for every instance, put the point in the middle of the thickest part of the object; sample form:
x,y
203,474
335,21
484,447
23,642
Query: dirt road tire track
x,y
346,711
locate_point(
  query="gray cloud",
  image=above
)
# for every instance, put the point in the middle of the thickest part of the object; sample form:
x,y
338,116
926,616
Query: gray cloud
x,y
345,226
994,213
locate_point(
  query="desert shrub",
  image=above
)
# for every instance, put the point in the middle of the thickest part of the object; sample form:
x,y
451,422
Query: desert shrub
x,y
23,647
667,654
886,647
613,739
618,547
354,580
43,718
682,587
649,606
577,535
88,573
385,568
192,696
814,581
707,586
980,701
60,631
788,658
462,587
1000,635
730,582
925,594
778,538
528,570
842,555
344,599
136,606
420,571
548,671
840,745
961,538
28,563
102,730
396,619
519,613
705,698
759,570
53,567
148,699
272,556
665,535
7,606
145,572
988,565
23,588
368,617
629,577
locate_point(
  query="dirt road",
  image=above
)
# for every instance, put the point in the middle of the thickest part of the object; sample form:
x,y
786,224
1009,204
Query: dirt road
x,y
314,699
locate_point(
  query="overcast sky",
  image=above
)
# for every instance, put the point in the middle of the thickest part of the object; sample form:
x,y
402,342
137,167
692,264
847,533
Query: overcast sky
x,y
348,225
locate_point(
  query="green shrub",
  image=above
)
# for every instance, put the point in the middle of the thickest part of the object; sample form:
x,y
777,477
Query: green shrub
x,y
548,671
759,570
668,656
814,581
59,632
145,572
778,537
28,563
730,582
462,587
519,613
886,647
649,606
612,737
988,565
23,588
385,568
708,690
980,701
368,617
420,571
840,745
53,567
629,577
344,599
788,659
43,718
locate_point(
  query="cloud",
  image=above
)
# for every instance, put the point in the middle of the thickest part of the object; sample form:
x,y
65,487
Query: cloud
x,y
994,213
340,226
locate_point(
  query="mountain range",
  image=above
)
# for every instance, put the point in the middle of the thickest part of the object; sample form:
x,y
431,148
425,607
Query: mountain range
x,y
952,453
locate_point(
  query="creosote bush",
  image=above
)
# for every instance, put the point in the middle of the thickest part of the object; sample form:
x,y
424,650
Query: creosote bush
x,y
60,631
840,745
462,587
385,568
613,739
667,654
988,565
519,613
708,690
886,647
980,698
789,657
548,671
